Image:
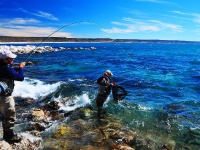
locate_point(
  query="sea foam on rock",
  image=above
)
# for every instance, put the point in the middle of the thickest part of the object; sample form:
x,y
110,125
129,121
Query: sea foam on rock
x,y
39,49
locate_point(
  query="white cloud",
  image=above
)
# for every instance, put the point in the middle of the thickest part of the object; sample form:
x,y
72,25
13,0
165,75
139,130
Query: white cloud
x,y
46,15
137,13
130,25
149,28
32,31
25,27
178,12
41,14
173,27
155,1
196,18
191,16
22,21
118,30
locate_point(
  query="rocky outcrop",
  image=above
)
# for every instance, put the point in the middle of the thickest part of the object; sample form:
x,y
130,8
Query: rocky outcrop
x,y
25,144
40,49
79,129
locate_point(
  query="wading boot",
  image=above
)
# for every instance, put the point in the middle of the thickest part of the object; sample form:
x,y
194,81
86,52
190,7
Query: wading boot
x,y
10,137
99,112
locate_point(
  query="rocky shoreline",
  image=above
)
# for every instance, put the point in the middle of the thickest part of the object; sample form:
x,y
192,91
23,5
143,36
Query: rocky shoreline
x,y
78,129
40,49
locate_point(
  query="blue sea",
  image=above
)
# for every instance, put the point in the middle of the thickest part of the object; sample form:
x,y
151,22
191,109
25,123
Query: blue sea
x,y
162,81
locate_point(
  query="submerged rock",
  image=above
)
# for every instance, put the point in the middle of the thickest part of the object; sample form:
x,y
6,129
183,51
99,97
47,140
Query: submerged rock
x,y
47,128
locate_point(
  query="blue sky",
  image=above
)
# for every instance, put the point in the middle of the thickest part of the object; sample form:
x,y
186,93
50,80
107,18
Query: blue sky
x,y
116,19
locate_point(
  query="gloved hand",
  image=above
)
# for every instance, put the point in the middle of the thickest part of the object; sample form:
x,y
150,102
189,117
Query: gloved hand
x,y
113,84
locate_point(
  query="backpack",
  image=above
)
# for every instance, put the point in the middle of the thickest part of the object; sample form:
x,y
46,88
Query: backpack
x,y
4,90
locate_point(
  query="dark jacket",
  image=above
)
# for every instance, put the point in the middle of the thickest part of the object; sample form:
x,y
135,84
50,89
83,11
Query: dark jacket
x,y
8,74
104,85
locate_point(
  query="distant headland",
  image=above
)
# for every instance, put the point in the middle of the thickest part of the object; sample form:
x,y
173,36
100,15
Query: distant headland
x,y
65,39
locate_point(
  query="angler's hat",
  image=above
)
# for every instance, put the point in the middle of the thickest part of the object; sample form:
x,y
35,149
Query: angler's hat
x,y
6,54
108,71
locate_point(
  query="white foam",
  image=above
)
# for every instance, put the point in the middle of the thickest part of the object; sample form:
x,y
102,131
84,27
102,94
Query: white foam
x,y
77,102
144,107
15,49
31,137
33,88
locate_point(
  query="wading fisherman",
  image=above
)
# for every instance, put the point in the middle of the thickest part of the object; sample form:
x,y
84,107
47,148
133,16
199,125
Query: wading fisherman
x,y
7,104
105,85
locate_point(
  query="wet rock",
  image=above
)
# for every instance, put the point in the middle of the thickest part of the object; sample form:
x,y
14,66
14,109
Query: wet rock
x,y
24,144
29,63
49,48
141,143
34,49
171,144
21,102
115,136
36,133
85,112
38,115
121,147
89,132
54,105
81,129
38,51
5,146
37,126
92,48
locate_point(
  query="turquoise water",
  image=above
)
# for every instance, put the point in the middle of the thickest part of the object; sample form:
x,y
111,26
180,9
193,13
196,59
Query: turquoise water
x,y
162,81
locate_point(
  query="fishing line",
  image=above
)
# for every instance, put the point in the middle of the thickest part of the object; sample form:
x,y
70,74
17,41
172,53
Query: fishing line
x,y
124,51
67,25
54,33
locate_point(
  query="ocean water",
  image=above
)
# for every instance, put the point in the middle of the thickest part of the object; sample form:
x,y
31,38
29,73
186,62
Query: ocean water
x,y
162,81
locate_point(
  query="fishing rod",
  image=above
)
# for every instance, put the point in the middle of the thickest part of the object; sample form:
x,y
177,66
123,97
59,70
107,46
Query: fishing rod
x,y
52,34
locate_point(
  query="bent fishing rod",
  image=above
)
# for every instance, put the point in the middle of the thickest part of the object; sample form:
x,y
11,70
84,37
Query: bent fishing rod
x,y
52,34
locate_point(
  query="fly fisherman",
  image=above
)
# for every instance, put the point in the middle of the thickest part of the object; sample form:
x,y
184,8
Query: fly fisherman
x,y
105,85
7,104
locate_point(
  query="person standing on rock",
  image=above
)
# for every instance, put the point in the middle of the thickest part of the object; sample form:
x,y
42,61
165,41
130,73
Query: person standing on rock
x,y
7,103
105,85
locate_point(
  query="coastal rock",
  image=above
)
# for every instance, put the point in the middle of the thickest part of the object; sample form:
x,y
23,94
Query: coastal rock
x,y
5,146
24,144
171,145
38,115
79,129
92,48
83,129
121,147
29,63
38,50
